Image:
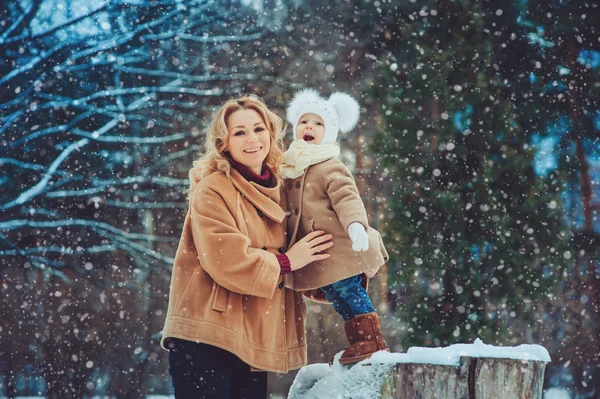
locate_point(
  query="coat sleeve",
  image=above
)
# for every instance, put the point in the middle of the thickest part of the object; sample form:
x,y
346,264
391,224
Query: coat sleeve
x,y
344,196
225,252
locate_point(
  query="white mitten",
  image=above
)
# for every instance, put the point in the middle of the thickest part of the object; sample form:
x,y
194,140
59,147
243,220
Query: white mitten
x,y
359,237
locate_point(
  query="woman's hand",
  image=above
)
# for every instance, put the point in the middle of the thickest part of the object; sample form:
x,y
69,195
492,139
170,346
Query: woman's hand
x,y
308,249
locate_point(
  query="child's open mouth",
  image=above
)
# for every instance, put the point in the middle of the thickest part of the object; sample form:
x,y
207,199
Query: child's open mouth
x,y
307,137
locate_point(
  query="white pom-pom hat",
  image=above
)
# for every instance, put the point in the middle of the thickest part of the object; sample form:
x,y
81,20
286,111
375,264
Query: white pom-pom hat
x,y
340,112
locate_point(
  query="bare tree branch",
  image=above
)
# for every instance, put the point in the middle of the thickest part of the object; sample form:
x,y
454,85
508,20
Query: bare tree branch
x,y
28,38
26,165
41,186
146,205
59,250
131,140
99,226
130,245
197,78
205,39
24,19
155,180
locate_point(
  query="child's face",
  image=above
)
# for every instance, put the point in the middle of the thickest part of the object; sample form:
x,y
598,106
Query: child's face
x,y
310,128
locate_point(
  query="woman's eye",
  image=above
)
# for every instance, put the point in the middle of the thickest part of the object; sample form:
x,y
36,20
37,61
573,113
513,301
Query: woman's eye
x,y
259,129
239,133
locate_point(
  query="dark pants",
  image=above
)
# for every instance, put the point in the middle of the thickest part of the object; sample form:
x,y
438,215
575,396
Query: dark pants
x,y
348,297
201,371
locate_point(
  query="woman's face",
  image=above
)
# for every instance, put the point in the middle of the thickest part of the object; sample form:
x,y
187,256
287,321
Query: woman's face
x,y
249,141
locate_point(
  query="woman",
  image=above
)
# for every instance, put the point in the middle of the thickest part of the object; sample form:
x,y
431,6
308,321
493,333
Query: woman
x,y
229,314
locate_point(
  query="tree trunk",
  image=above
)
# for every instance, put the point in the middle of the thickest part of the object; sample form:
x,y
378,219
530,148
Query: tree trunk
x,y
420,381
474,378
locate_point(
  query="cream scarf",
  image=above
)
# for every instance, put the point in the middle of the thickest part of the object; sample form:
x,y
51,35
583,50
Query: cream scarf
x,y
301,155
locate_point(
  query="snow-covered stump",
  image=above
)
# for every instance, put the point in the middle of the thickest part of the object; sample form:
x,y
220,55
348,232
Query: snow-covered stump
x,y
508,378
473,378
461,371
415,380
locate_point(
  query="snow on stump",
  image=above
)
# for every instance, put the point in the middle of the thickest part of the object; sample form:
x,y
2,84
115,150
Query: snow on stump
x,y
462,371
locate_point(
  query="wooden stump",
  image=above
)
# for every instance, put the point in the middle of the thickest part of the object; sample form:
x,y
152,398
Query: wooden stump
x,y
474,378
410,380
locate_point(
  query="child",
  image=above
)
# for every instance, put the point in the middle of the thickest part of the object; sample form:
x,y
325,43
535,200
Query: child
x,y
322,195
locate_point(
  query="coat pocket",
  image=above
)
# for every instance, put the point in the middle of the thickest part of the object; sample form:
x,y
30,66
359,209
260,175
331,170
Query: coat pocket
x,y
220,298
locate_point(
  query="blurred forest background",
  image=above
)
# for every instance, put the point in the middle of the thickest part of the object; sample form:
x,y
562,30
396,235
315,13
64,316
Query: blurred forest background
x,y
477,155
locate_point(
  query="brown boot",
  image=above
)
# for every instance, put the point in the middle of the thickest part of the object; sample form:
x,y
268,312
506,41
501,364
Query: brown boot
x,y
364,335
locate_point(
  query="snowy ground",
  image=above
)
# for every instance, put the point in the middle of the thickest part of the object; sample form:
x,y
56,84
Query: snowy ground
x,y
94,397
148,397
552,393
557,393
325,381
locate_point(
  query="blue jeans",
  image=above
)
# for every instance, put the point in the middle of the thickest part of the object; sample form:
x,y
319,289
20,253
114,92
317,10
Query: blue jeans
x,y
348,297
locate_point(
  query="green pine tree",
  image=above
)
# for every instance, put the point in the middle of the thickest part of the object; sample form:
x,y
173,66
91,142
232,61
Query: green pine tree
x,y
475,235
558,98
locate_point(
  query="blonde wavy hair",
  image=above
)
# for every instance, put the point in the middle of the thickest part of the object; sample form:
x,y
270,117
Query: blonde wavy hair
x,y
213,158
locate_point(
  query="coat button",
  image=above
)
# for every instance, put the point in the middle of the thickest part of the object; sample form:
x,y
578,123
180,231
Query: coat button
x,y
296,211
298,184
289,185
265,248
281,250
260,213
280,285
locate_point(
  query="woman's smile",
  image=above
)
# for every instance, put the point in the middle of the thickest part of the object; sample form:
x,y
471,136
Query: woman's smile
x,y
249,141
253,150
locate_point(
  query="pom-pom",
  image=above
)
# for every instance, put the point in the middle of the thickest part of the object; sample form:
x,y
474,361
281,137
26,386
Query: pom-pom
x,y
347,109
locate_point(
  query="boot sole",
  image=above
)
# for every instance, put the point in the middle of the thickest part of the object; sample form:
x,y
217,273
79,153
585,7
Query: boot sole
x,y
356,359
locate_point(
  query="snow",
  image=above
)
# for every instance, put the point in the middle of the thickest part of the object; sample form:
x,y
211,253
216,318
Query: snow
x,y
324,381
557,393
451,355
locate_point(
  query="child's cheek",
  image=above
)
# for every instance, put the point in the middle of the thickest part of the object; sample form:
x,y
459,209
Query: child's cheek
x,y
320,137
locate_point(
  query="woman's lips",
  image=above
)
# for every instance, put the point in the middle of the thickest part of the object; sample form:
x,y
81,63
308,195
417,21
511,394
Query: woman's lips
x,y
252,150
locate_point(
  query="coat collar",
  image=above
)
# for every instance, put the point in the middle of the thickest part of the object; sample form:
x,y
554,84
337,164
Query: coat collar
x,y
265,199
